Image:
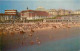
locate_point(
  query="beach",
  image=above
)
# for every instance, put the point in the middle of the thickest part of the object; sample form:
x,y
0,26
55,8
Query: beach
x,y
38,36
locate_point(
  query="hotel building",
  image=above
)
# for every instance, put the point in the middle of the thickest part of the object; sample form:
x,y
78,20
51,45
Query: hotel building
x,y
33,14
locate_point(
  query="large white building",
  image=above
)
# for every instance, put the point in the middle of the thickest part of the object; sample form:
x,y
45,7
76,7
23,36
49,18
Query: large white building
x,y
65,19
54,12
77,12
40,9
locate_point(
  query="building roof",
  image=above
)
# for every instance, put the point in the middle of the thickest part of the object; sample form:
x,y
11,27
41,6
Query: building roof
x,y
27,11
11,10
52,10
40,9
6,14
36,13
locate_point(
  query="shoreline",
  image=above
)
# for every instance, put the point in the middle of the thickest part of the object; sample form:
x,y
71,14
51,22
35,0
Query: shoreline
x,y
35,26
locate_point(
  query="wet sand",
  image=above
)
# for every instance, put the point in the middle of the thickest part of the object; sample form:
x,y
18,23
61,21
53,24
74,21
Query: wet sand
x,y
44,35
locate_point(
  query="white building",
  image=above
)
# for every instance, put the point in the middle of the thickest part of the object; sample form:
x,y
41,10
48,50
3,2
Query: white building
x,y
65,19
40,9
77,12
53,12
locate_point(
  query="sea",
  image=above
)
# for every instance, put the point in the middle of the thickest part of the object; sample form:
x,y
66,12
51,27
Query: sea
x,y
65,44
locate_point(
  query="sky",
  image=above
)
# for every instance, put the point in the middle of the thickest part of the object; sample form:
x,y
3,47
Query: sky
x,y
33,4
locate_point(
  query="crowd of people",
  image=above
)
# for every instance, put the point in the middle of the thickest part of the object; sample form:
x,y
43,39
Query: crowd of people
x,y
24,27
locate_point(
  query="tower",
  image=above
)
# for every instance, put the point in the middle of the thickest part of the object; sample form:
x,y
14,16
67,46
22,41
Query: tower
x,y
27,8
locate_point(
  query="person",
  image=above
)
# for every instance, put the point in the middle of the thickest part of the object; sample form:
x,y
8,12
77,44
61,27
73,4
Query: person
x,y
22,32
38,41
50,37
22,42
30,34
32,30
32,42
12,33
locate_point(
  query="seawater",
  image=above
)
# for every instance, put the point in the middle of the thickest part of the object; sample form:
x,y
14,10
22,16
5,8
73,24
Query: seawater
x,y
69,44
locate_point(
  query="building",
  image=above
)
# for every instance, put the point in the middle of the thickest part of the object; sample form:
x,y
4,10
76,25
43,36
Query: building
x,y
71,18
33,14
9,15
77,12
64,12
67,12
11,12
53,12
65,19
61,12
40,9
